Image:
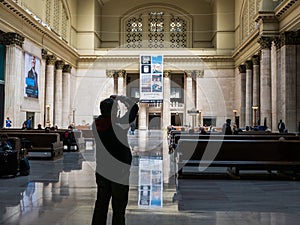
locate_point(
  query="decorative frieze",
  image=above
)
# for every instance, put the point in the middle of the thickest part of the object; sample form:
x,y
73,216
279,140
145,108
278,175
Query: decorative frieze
x,y
11,39
290,38
67,68
50,59
242,68
59,64
265,42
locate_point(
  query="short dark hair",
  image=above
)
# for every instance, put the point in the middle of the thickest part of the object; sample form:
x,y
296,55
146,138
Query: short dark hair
x,y
4,136
106,106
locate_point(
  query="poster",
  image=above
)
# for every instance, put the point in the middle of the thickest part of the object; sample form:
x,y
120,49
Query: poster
x,y
151,78
32,70
150,182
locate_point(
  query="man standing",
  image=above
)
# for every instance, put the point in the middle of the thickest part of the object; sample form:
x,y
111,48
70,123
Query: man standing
x,y
113,158
281,126
32,80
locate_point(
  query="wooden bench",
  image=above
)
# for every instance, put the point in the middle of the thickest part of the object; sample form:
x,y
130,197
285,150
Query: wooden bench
x,y
42,145
238,155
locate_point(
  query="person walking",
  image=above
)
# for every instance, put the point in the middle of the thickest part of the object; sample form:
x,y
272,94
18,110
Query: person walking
x,y
113,158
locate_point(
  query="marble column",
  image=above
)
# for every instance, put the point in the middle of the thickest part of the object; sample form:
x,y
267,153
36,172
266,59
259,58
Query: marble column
x,y
58,93
242,71
255,94
288,73
66,96
274,86
265,82
110,87
14,80
188,97
249,90
121,75
166,100
199,96
143,116
49,102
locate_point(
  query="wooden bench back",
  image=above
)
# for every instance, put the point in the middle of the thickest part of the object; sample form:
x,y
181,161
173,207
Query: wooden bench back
x,y
177,137
37,139
239,150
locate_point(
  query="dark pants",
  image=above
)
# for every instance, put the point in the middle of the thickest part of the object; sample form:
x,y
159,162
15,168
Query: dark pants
x,y
107,190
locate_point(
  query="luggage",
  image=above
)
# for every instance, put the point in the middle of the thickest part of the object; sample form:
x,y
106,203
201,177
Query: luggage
x,y
24,167
9,162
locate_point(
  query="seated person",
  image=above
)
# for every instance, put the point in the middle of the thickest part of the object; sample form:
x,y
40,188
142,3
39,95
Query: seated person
x,y
4,144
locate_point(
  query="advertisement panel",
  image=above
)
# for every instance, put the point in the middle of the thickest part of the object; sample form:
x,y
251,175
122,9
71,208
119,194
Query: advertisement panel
x,y
151,78
32,68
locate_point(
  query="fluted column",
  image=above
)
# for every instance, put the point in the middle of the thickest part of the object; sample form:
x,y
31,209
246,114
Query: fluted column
x,y
265,81
199,96
58,93
14,83
255,95
288,73
142,116
242,71
66,96
188,97
50,90
121,75
249,89
274,86
110,88
166,102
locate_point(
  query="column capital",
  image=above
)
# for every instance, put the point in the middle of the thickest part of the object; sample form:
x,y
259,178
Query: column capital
x,y
67,68
265,42
242,68
290,38
167,74
110,73
199,73
121,73
11,39
255,60
188,73
59,64
50,59
249,65
44,53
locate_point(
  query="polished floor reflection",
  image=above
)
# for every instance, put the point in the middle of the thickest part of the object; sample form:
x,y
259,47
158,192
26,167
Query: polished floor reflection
x,y
63,192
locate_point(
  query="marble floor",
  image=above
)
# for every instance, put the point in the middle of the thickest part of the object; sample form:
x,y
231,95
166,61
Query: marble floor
x,y
63,192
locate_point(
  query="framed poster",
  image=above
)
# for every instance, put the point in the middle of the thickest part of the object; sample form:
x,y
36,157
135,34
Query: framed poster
x,y
151,78
32,70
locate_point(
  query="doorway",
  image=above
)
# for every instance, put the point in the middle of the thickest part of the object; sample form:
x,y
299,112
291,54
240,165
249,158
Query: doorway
x,y
154,122
176,119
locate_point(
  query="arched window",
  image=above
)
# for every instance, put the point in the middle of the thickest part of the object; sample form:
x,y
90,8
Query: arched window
x,y
153,28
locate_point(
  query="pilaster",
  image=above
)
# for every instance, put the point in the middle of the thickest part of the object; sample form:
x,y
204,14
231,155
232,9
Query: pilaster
x,y
66,96
265,82
49,103
166,100
242,71
249,89
58,93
